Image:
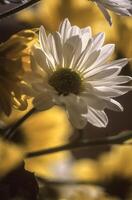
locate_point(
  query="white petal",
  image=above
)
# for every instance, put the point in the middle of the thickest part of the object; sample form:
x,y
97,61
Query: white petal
x,y
71,50
113,91
82,58
76,119
123,89
97,118
105,12
106,52
75,108
117,63
86,36
87,31
36,70
105,74
122,11
103,91
64,30
41,86
90,61
75,30
102,100
110,81
44,44
98,41
32,77
43,101
49,58
119,79
120,62
56,48
41,60
43,38
114,105
94,101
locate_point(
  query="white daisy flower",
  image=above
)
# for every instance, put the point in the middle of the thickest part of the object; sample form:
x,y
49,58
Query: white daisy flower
x,y
121,7
79,76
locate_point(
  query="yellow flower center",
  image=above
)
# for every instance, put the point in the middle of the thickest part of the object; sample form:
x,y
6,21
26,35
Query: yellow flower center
x,y
66,81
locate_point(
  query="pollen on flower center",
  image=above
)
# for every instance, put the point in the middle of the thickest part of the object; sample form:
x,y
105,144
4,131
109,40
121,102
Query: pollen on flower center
x,y
66,81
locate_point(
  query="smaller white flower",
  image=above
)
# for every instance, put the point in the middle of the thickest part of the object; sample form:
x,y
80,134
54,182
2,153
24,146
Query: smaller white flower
x,y
121,7
79,76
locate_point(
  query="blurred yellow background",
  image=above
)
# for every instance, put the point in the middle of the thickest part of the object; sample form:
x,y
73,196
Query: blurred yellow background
x,y
82,13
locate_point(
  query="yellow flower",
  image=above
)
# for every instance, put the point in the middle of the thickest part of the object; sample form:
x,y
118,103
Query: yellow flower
x,y
10,156
113,169
44,130
82,192
12,53
86,169
118,161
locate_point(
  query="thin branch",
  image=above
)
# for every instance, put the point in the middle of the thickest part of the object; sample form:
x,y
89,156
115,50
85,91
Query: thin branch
x,y
118,139
11,131
18,8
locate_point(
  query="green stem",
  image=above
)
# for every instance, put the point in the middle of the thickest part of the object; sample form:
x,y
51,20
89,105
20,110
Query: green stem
x,y
12,130
118,139
19,8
